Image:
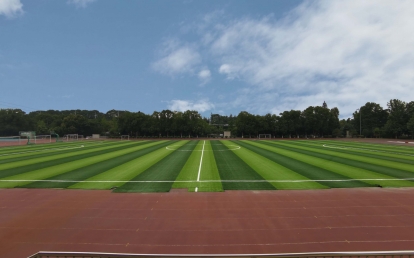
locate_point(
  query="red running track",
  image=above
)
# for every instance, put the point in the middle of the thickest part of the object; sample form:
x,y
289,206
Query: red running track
x,y
363,219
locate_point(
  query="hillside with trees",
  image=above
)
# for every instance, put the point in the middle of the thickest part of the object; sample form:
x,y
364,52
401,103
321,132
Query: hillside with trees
x,y
370,120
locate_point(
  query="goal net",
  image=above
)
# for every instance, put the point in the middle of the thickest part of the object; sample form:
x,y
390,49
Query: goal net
x,y
265,136
11,140
43,138
124,137
29,135
71,137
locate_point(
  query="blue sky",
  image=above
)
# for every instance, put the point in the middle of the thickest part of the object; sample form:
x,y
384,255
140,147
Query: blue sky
x,y
210,56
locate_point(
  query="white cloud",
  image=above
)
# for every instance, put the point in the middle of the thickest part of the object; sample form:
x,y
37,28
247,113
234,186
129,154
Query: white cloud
x,y
176,58
183,105
343,52
204,75
11,8
80,3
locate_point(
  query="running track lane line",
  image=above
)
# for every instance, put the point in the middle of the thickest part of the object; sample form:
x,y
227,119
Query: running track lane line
x,y
199,168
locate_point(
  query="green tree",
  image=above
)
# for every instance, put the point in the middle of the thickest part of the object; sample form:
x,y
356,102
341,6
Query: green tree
x,y
377,132
410,126
372,116
398,118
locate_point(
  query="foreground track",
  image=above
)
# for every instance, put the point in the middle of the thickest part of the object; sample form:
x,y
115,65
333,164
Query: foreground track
x,y
358,219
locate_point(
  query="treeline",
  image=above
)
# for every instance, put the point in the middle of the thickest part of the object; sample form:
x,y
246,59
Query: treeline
x,y
370,120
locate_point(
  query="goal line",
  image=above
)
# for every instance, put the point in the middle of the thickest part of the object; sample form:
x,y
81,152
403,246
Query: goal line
x,y
208,181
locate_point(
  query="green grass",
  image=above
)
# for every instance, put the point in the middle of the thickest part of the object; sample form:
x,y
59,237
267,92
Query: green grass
x,y
233,171
204,165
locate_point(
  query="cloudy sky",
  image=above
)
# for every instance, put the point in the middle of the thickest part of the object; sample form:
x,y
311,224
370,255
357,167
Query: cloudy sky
x,y
260,56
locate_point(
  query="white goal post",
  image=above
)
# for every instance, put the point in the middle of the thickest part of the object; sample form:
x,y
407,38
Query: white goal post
x,y
265,136
11,139
43,138
125,137
71,137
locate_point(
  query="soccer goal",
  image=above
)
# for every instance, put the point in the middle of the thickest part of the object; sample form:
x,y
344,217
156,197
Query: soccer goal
x,y
29,135
71,137
265,136
125,137
43,138
10,140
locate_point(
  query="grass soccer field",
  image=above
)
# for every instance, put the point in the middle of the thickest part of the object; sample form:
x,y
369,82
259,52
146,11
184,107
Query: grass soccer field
x,y
206,165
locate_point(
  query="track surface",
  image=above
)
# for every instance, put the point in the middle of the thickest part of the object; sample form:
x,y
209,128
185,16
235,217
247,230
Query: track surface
x,y
231,222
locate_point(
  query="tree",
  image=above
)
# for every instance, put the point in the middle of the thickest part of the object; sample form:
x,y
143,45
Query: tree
x,y
377,132
410,126
336,133
246,124
397,120
372,116
309,122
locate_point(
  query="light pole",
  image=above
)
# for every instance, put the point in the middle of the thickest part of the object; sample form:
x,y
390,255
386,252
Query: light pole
x,y
360,131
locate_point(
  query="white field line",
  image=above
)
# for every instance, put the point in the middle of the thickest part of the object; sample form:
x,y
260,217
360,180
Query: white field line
x,y
201,163
400,142
209,181
351,148
235,147
23,152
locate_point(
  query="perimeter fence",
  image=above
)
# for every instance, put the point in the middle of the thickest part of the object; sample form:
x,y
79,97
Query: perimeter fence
x,y
381,254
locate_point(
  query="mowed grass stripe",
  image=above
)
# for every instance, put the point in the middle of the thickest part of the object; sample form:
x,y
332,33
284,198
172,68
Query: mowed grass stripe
x,y
362,158
49,152
86,172
76,155
127,171
21,148
303,164
32,164
166,169
209,171
231,167
17,151
189,170
347,167
383,145
69,166
33,150
373,146
355,150
271,170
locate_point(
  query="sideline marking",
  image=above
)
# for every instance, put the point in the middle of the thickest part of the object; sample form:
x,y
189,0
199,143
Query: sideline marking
x,y
400,142
351,148
210,181
17,153
199,168
235,147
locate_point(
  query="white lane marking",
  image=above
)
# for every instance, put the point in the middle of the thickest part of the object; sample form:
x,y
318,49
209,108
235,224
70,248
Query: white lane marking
x,y
399,142
209,181
235,147
17,153
351,148
199,168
